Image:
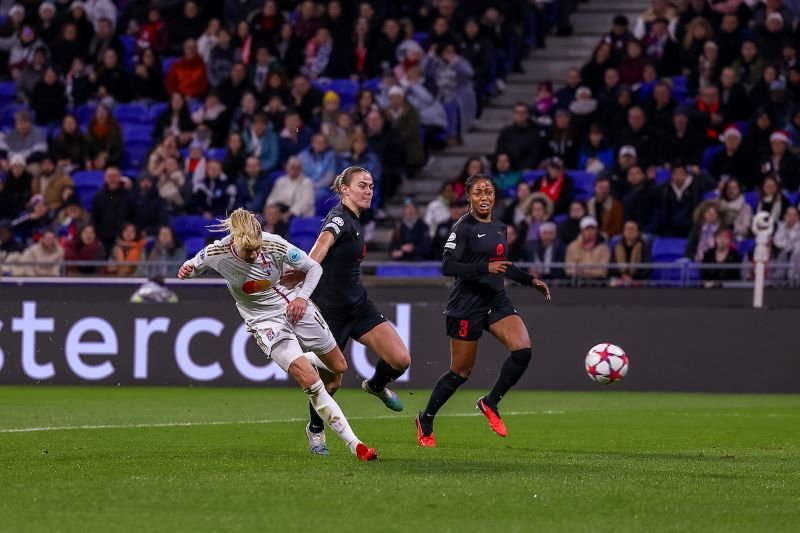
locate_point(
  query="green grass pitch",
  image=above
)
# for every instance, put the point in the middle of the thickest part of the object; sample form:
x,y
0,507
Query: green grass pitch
x,y
189,459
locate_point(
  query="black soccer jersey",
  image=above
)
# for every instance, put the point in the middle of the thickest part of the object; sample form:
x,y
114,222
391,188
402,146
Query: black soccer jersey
x,y
341,284
469,249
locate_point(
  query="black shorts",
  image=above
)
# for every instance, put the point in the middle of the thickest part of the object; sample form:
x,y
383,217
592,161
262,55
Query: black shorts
x,y
352,322
470,328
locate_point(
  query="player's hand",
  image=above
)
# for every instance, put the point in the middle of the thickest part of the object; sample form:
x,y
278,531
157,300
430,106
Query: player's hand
x,y
499,267
296,310
542,287
186,270
292,278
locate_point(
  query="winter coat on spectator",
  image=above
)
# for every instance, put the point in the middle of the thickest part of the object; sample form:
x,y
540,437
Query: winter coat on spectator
x,y
577,253
219,65
741,214
602,155
775,206
49,102
523,144
787,170
416,234
677,205
647,142
151,85
748,74
36,253
105,139
98,46
52,188
31,146
264,148
592,73
367,160
215,120
454,82
431,111
687,146
162,254
727,274
215,196
126,251
170,187
79,88
560,191
436,212
296,194
406,123
544,256
479,52
293,142
736,102
638,253
609,214
639,205
787,238
388,146
118,83
75,250
15,193
70,146
724,166
188,77
64,52
110,211
150,211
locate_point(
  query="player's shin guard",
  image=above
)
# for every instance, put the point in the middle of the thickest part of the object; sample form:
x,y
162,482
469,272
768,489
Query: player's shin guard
x,y
513,368
384,374
331,413
447,385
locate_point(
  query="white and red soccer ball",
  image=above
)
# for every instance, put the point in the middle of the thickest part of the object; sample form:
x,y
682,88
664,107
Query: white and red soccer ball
x,y
606,363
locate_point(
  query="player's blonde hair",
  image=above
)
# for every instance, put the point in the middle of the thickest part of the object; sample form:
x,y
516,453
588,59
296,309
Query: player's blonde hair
x,y
243,226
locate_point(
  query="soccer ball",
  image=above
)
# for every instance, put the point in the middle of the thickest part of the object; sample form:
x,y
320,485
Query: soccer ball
x,y
606,363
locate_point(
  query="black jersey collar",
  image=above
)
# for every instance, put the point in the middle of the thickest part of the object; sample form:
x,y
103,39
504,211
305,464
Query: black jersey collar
x,y
347,209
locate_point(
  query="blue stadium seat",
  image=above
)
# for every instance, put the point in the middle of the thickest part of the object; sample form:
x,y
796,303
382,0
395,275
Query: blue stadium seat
x,y
710,195
154,111
708,155
88,178
129,49
137,132
7,119
680,88
194,245
8,91
85,194
216,153
372,84
746,246
187,226
421,36
347,91
325,204
451,110
166,63
134,113
408,271
558,219
532,175
84,114
584,183
612,243
668,249
300,225
136,152
752,199
663,175
793,197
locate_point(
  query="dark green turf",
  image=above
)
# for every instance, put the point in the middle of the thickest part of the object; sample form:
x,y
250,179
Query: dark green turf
x,y
605,461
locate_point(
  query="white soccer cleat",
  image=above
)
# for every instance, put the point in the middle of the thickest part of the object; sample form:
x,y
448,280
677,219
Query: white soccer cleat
x,y
317,443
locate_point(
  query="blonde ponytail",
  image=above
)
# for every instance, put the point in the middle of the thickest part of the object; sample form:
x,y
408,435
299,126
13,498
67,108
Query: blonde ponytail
x,y
243,227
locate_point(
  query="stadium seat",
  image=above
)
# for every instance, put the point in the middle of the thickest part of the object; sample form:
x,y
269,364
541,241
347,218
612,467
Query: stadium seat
x,y
324,204
129,49
532,175
154,111
188,226
408,271
584,183
612,243
708,155
668,249
680,88
137,132
746,246
752,199
194,245
131,113
300,225
216,153
84,114
793,197
85,194
88,178
372,84
558,219
166,63
663,175
8,91
710,195
136,152
7,118
421,36
347,91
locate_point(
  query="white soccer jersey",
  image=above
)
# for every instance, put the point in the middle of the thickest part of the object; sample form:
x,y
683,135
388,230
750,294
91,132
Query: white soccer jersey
x,y
255,287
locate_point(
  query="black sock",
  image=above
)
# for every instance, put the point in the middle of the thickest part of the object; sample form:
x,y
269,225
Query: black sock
x,y
384,374
513,368
316,424
442,391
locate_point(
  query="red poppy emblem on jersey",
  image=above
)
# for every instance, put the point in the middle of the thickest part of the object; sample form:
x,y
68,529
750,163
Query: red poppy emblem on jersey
x,y
500,250
254,286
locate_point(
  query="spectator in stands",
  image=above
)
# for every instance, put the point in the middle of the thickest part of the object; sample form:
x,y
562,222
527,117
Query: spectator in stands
x,y
232,88
545,102
563,140
17,187
411,240
660,108
10,247
50,183
385,142
46,253
323,58
787,237
432,115
242,118
214,194
260,69
658,9
175,120
517,209
732,161
662,49
253,185
79,86
473,165
762,13
114,83
749,66
733,202
521,140
306,99
31,74
584,112
189,26
596,155
188,74
221,59
631,66
556,185
235,155
626,158
781,163
733,96
67,47
262,142
69,220
70,147
708,115
605,208
639,203
615,113
154,32
208,39
777,105
405,121
111,206
438,210
331,109
706,69
274,222
49,98
771,199
708,218
167,249
32,223
476,49
294,136
722,253
289,49
104,39
593,72
149,208
340,135
566,94
505,174
569,229
148,78
171,184
588,249
104,141
442,233
365,103
545,251
517,247
756,140
388,42
360,155
540,209
453,77
609,90
294,192
631,248
212,120
682,142
319,162
641,136
677,201
129,248
25,139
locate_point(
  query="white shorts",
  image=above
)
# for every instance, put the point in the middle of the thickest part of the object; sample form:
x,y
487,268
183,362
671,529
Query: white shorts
x,y
284,342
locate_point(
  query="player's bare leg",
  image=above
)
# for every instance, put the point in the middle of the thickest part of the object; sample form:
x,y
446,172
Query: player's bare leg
x,y
513,334
394,361
462,361
304,373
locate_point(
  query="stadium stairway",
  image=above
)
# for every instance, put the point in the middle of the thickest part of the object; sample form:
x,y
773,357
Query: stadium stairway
x,y
590,23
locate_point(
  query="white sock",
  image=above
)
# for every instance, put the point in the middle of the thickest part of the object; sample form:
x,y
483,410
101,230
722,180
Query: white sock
x,y
332,414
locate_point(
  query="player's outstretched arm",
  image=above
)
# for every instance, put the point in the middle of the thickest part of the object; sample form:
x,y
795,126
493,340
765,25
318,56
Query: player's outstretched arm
x,y
514,273
318,253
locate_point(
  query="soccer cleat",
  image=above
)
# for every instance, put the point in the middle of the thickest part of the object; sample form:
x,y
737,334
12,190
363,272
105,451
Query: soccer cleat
x,y
495,422
316,442
389,398
365,453
426,441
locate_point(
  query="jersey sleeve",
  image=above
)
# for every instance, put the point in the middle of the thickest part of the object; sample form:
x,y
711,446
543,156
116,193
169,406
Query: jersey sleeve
x,y
455,248
298,259
202,261
336,224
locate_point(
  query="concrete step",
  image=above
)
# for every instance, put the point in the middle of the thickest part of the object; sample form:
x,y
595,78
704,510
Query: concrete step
x,y
422,185
631,9
445,165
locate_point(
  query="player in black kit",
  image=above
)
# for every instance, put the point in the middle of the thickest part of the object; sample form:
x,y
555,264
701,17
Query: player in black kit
x,y
342,298
476,255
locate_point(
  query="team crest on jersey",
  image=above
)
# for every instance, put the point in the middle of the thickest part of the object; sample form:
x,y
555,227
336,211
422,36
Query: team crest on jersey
x,y
338,221
269,333
294,256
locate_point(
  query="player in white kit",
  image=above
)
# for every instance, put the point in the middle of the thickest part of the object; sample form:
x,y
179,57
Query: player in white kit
x,y
251,261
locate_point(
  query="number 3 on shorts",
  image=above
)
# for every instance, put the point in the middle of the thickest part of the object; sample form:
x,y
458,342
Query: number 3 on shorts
x,y
463,328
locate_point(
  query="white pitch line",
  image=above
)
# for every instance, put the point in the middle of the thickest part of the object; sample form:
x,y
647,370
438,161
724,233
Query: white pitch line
x,y
243,422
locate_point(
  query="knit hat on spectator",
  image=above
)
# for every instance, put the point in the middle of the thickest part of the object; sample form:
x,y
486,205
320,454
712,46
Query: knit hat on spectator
x,y
544,226
620,20
555,162
588,222
775,16
627,150
730,131
396,90
330,96
16,9
17,159
780,136
77,4
47,6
